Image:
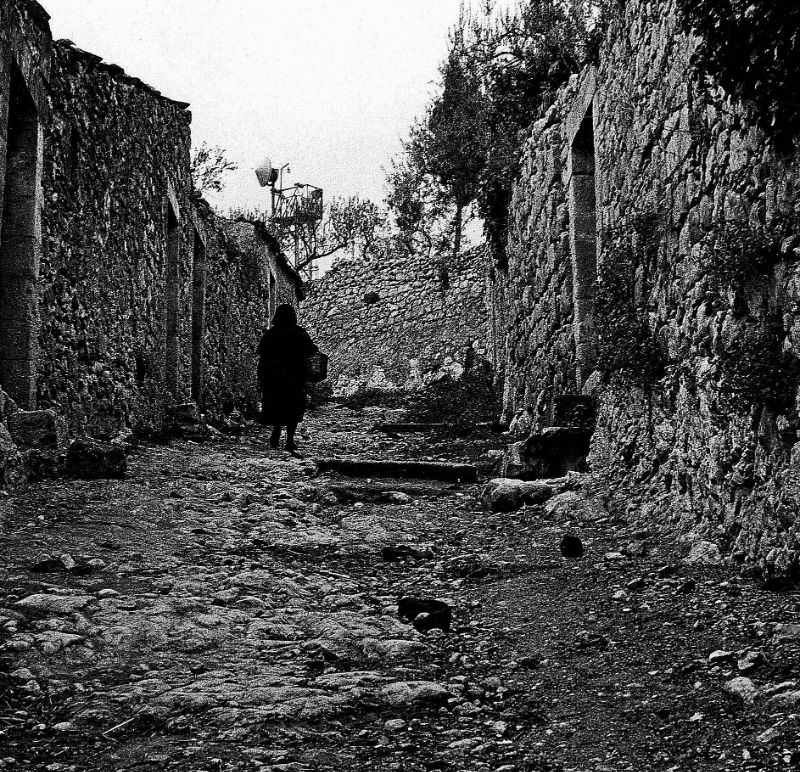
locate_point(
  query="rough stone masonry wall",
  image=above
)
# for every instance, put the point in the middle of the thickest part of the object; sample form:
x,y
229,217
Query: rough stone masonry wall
x,y
24,70
391,323
116,161
247,279
537,284
675,451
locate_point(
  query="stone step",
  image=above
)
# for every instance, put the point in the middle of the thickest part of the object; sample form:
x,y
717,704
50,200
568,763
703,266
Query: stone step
x,y
410,428
415,470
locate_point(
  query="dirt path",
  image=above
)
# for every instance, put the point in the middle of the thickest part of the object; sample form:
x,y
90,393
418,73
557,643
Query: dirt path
x,y
229,609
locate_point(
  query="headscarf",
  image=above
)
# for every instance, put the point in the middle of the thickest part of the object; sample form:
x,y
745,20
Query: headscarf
x,y
285,316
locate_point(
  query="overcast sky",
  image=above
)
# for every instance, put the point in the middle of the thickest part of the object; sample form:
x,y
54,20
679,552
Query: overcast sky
x,y
327,85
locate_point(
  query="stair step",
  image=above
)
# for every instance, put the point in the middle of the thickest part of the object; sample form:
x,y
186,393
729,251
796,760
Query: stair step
x,y
415,470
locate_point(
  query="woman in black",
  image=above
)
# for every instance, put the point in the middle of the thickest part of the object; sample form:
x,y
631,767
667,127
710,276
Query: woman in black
x,y
282,356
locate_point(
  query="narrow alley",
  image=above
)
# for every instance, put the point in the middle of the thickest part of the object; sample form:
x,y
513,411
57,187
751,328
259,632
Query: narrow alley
x,y
228,607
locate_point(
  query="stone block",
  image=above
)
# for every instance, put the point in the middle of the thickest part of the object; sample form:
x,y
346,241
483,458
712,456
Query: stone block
x,y
554,452
14,473
38,429
506,495
89,459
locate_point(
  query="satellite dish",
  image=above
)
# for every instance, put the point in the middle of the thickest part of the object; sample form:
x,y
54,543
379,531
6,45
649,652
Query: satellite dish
x,y
266,173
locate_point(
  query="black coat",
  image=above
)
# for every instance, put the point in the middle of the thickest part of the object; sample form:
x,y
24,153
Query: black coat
x,y
282,356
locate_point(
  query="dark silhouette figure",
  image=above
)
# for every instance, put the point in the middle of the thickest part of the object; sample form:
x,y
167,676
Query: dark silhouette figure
x,y
282,377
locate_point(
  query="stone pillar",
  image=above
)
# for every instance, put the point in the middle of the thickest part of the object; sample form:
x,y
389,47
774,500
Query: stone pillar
x,y
198,317
20,245
583,244
172,303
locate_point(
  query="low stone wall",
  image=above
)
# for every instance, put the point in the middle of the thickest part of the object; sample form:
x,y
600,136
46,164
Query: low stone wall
x,y
395,324
668,193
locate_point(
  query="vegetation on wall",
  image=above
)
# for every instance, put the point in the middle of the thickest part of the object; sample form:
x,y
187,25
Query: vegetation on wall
x,y
752,49
755,370
740,254
626,345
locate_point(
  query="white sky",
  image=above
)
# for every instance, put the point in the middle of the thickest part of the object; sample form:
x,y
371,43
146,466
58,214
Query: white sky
x,y
327,85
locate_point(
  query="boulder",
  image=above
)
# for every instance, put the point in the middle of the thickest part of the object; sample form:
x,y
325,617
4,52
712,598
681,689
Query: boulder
x,y
704,553
41,429
551,453
573,505
186,422
741,688
506,495
89,459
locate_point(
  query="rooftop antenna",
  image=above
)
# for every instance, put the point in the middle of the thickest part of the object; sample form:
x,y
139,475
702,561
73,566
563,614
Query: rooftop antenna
x,y
293,207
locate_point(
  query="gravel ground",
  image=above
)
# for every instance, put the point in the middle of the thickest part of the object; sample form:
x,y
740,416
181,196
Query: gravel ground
x,y
227,608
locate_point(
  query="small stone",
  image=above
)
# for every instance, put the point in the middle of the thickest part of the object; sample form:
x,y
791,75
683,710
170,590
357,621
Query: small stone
x,y
772,734
787,633
784,701
571,546
741,688
704,553
749,661
394,725
64,726
613,557
719,656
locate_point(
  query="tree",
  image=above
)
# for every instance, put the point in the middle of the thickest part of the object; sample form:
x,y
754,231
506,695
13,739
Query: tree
x,y
451,146
499,72
352,223
347,224
209,165
416,203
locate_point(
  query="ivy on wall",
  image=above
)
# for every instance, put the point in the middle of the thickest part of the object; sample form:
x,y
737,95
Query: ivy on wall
x,y
752,49
626,345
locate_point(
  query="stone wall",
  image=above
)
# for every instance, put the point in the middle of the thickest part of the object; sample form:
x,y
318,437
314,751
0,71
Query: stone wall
x,y
24,70
117,261
707,441
247,278
394,323
121,294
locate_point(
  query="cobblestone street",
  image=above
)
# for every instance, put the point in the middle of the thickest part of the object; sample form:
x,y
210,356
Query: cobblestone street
x,y
228,608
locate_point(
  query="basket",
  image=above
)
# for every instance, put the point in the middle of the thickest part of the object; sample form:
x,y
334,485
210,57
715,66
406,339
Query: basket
x,y
316,367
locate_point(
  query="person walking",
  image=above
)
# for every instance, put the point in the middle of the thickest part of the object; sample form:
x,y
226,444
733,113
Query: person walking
x,y
282,375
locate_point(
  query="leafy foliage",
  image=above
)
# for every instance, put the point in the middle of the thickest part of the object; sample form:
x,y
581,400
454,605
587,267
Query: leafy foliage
x,y
625,342
755,370
740,253
352,223
209,165
752,49
500,70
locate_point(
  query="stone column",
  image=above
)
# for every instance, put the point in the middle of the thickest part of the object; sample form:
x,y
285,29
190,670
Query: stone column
x,y
20,246
583,244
